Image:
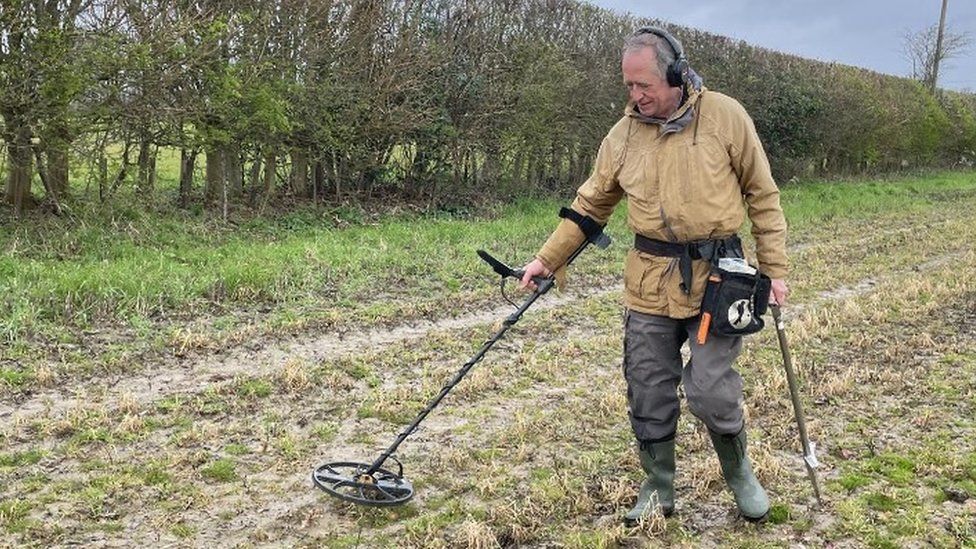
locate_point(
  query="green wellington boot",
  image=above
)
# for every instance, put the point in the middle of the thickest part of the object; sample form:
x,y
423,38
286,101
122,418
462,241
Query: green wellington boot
x,y
657,460
749,494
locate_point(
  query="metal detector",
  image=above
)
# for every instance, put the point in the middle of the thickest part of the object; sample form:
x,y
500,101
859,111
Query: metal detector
x,y
373,485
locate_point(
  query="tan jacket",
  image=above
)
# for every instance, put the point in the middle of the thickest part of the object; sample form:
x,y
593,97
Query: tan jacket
x,y
692,184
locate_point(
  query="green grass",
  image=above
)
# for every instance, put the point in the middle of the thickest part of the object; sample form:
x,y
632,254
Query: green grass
x,y
129,266
237,449
182,531
18,459
14,378
15,517
779,513
810,204
853,481
221,470
156,475
256,388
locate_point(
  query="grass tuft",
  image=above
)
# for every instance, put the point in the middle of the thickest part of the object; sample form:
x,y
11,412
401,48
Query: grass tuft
x,y
221,470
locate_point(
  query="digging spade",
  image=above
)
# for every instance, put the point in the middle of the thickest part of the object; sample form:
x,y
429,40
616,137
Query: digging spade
x,y
809,455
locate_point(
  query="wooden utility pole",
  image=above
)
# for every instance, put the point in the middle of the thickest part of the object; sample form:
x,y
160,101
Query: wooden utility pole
x,y
938,47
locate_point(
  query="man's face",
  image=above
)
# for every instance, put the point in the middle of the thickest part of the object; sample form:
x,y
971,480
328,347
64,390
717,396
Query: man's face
x,y
648,89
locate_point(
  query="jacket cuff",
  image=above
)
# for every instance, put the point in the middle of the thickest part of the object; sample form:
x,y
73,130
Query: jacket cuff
x,y
777,271
561,243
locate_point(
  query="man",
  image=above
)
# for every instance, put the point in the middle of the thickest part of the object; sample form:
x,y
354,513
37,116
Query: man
x,y
691,165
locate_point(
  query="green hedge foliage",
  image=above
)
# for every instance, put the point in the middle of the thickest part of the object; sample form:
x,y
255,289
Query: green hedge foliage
x,y
427,99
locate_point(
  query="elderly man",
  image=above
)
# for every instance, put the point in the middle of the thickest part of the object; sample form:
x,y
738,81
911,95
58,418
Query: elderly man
x,y
691,165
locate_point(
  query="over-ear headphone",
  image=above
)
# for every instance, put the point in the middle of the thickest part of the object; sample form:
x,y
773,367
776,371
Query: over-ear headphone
x,y
677,71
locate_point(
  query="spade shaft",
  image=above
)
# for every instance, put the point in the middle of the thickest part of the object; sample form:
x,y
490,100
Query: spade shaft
x,y
809,454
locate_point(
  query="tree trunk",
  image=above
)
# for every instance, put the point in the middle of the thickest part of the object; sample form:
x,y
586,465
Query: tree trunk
x,y
456,175
336,176
187,160
144,186
475,170
215,175
416,172
269,175
123,170
235,170
152,168
20,171
533,170
52,195
318,180
575,165
517,165
102,174
299,172
254,178
555,171
57,169
491,168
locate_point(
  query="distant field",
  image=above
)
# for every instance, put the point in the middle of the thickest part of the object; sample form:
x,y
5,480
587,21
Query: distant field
x,y
170,379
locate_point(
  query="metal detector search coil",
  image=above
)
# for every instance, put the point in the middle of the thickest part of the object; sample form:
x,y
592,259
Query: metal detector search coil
x,y
359,483
371,484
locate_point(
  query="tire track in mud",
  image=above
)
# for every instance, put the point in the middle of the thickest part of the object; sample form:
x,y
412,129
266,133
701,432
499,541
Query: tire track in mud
x,y
866,285
199,372
149,385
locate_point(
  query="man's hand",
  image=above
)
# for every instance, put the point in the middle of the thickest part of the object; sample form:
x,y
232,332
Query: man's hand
x,y
778,292
535,268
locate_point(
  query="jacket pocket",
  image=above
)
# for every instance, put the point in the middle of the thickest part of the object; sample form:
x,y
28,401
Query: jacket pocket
x,y
707,168
642,276
637,176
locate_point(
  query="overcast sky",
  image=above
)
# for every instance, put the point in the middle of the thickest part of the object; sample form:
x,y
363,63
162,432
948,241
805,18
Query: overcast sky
x,y
864,33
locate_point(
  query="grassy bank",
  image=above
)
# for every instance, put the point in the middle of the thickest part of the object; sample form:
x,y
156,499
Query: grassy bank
x,y
125,263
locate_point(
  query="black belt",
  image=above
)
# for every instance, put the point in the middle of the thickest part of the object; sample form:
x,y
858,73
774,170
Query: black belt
x,y
709,250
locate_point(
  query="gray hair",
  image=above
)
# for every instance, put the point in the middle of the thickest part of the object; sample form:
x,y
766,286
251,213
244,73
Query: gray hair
x,y
662,50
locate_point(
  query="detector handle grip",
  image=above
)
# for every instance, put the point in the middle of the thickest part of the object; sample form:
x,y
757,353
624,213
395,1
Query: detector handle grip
x,y
505,271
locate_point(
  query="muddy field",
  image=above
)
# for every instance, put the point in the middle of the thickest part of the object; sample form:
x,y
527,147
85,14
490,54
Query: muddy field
x,y
214,446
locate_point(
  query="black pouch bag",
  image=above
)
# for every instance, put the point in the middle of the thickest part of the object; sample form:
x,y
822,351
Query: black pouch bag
x,y
734,302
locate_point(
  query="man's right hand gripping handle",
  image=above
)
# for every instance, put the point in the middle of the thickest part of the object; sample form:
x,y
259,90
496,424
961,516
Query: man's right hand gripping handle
x,y
534,269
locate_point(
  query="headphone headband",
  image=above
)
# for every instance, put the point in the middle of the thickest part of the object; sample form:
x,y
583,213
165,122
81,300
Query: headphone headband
x,y
677,71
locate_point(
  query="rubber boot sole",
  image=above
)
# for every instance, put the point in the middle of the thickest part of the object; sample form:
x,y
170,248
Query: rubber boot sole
x,y
630,523
756,520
